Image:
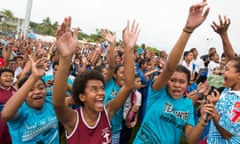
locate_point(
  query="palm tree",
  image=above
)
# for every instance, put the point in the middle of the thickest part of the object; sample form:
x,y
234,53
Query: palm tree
x,y
47,27
8,15
46,22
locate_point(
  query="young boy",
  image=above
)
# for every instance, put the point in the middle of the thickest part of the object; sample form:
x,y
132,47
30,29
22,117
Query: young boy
x,y
6,91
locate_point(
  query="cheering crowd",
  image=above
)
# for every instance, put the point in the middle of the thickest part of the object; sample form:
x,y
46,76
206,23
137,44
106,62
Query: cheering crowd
x,y
68,92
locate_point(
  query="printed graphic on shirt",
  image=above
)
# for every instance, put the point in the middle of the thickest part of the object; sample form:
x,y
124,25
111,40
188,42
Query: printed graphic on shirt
x,y
106,135
40,128
148,136
168,108
236,113
177,119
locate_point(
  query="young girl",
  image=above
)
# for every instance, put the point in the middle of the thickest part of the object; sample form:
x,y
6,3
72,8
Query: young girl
x,y
130,112
225,126
29,113
90,122
168,112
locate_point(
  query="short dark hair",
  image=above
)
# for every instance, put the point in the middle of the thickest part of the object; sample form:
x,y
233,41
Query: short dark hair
x,y
212,54
137,75
186,54
193,49
55,63
237,63
80,83
142,62
2,70
18,56
183,69
99,68
117,68
22,81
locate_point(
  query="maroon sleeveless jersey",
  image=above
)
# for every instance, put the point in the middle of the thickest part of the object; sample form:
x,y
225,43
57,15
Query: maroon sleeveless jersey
x,y
84,134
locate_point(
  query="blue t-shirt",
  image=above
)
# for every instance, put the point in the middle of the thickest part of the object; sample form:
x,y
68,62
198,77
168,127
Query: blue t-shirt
x,y
35,126
140,51
111,91
165,118
49,89
144,92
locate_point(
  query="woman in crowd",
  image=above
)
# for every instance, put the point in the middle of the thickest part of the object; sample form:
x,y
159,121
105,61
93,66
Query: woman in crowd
x,y
168,112
225,126
90,122
30,114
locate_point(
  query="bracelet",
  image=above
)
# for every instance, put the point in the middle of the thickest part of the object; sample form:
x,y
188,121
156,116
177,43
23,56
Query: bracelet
x,y
187,31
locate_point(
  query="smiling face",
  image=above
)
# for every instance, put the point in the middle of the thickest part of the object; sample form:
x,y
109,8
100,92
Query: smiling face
x,y
36,97
93,97
177,84
119,76
6,79
138,82
231,76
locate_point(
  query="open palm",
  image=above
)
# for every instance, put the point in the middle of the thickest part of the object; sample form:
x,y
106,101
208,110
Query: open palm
x,y
130,35
65,40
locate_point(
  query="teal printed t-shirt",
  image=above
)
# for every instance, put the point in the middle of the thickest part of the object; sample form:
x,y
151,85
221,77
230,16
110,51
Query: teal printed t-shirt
x,y
165,118
35,126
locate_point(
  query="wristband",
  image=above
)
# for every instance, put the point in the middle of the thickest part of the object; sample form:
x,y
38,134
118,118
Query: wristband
x,y
187,31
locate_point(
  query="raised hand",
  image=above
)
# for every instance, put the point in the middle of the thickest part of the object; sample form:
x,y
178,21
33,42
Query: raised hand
x,y
130,34
223,25
65,40
39,66
108,36
6,52
196,15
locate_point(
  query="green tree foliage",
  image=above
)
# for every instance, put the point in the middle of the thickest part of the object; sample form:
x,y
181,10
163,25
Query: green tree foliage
x,y
45,28
9,16
155,50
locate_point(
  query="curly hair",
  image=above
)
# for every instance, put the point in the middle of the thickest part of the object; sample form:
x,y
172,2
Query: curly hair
x,y
80,83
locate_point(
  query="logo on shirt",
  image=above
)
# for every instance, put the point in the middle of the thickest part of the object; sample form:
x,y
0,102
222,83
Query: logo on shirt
x,y
114,93
106,133
236,113
179,114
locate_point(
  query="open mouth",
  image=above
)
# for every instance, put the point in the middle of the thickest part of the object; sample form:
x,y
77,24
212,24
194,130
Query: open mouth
x,y
177,92
37,98
99,103
8,81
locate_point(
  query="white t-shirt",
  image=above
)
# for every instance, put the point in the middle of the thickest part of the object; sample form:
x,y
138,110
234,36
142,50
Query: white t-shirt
x,y
211,66
189,67
16,73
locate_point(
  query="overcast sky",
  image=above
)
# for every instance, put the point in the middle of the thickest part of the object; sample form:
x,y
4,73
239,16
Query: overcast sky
x,y
161,21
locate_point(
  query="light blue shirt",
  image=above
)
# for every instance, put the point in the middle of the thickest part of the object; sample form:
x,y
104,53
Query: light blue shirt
x,y
228,108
